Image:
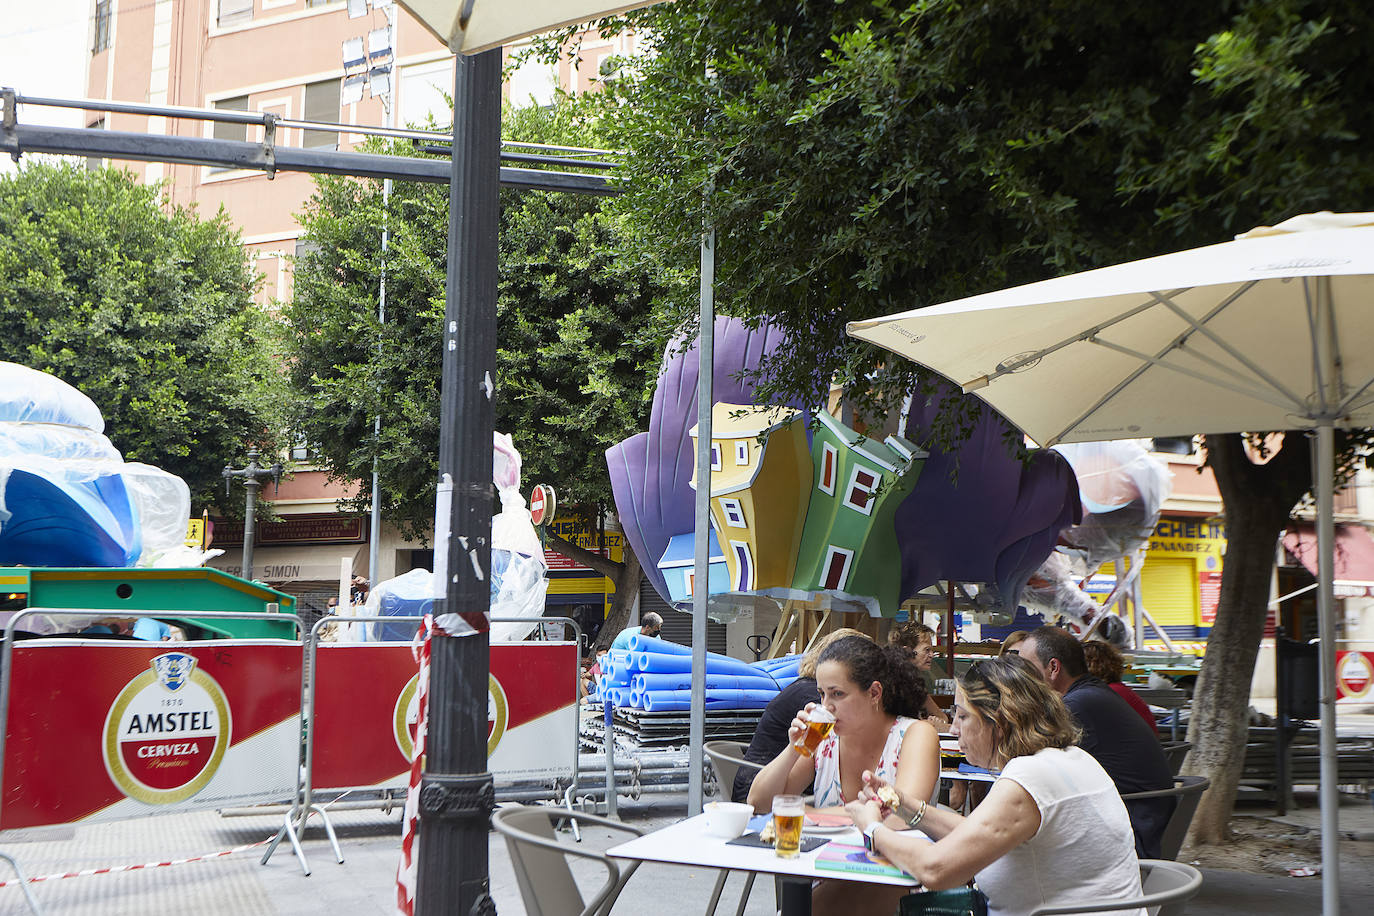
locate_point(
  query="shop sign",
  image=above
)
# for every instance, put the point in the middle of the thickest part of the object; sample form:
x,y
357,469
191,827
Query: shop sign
x,y
295,529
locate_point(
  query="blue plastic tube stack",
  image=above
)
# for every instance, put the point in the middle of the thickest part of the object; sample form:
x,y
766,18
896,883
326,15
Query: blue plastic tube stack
x,y
656,676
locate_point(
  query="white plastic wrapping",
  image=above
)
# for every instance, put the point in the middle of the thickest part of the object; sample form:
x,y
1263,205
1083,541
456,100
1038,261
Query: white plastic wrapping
x,y
518,581
1054,592
54,433
1123,488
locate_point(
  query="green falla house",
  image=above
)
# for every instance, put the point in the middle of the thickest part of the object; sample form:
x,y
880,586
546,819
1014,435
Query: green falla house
x,y
848,545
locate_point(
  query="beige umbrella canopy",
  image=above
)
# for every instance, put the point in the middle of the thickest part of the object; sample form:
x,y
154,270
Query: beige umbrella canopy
x,y
470,26
1268,332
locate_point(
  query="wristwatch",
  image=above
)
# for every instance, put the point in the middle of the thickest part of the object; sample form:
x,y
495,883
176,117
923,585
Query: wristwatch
x,y
868,835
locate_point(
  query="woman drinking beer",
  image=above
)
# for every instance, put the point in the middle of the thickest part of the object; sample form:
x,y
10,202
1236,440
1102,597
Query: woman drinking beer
x,y
876,699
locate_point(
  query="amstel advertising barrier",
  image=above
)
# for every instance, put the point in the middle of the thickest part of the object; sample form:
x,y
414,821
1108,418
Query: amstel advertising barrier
x,y
98,730
365,738
1354,675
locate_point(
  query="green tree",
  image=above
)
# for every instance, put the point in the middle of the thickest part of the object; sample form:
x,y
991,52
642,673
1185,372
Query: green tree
x,y
147,309
864,158
575,343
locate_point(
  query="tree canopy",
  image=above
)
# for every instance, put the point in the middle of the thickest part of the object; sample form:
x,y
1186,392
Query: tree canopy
x,y
147,309
863,158
576,347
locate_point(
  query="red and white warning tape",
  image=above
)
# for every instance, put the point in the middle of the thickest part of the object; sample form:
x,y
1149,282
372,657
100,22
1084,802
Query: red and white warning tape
x,y
407,869
114,869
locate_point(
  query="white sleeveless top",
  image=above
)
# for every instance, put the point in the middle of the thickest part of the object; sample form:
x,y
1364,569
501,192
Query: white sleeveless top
x,y
828,790
1084,849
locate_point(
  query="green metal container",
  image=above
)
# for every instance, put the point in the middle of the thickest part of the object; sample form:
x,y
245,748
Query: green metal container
x,y
181,593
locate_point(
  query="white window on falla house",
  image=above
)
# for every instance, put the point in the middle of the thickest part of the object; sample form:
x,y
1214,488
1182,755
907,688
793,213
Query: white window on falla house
x,y
859,494
837,563
733,512
744,566
829,459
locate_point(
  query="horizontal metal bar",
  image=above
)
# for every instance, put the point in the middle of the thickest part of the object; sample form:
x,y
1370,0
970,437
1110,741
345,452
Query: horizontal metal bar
x,y
231,116
242,154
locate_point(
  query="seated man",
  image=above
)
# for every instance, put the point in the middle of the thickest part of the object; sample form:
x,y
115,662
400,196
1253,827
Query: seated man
x,y
1112,732
651,624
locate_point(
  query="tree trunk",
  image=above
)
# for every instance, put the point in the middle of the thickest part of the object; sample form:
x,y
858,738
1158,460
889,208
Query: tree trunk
x,y
1258,500
626,575
626,590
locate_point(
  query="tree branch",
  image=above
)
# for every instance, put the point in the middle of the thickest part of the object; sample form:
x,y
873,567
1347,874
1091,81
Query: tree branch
x,y
604,565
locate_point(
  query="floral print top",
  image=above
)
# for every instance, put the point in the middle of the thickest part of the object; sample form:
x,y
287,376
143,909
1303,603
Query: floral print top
x,y
829,793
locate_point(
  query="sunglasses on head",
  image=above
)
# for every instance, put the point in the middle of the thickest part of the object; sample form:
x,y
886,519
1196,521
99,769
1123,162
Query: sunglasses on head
x,y
976,670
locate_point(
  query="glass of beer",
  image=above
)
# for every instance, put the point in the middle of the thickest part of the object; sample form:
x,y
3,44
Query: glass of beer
x,y
819,722
787,825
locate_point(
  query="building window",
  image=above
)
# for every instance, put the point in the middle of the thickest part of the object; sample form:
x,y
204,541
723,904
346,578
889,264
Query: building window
x,y
837,561
228,130
321,104
102,26
716,463
733,512
859,494
235,12
744,566
742,452
301,449
829,458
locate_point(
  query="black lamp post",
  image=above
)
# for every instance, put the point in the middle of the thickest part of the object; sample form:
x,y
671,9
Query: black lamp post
x,y
252,475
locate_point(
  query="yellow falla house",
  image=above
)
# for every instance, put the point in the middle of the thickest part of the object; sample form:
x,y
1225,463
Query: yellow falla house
x,y
760,486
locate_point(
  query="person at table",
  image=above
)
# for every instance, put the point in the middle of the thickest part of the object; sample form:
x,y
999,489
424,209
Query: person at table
x,y
1051,832
877,700
770,737
1106,663
1112,732
918,641
650,624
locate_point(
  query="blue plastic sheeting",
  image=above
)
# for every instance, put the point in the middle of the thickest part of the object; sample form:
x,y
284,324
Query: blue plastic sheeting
x,y
68,523
673,700
674,664
683,681
782,661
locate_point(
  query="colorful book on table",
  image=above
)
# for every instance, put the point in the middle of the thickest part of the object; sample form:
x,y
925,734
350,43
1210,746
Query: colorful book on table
x,y
856,861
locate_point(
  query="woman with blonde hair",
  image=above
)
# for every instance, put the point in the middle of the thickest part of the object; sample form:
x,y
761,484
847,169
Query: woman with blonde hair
x,y
770,735
1052,831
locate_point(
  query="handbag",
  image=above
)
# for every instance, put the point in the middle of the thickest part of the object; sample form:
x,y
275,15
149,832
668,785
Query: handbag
x,y
957,901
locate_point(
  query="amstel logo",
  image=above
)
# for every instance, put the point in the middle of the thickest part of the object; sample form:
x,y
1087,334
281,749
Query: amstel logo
x,y
407,715
167,731
1355,674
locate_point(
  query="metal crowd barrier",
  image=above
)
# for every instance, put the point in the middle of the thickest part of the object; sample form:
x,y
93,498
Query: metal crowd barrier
x,y
303,805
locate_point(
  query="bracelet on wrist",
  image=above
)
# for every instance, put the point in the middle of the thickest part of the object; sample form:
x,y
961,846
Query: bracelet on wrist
x,y
916,818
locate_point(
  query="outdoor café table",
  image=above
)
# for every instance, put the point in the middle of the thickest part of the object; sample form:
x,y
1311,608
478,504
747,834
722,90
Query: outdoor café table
x,y
688,843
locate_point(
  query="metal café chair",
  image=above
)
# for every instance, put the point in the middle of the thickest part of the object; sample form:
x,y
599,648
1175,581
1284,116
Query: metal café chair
x,y
541,865
1166,889
1175,752
727,759
1188,790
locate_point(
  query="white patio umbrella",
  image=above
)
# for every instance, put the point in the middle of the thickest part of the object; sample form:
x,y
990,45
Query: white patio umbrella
x,y
470,26
1269,332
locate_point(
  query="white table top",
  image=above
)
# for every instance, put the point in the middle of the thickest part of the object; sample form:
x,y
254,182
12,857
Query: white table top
x,y
688,843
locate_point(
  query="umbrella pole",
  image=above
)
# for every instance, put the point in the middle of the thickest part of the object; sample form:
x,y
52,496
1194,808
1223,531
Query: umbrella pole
x,y
1329,792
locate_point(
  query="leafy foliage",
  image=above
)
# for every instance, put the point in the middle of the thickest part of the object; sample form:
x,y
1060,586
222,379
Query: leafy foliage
x,y
575,343
863,158
145,308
